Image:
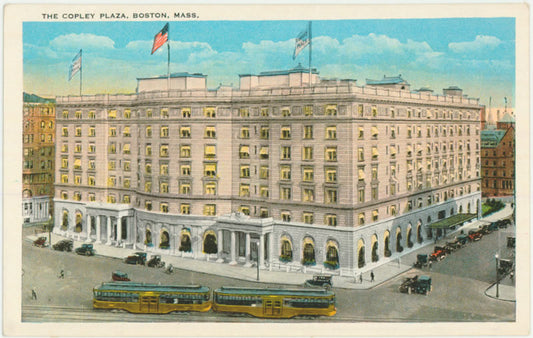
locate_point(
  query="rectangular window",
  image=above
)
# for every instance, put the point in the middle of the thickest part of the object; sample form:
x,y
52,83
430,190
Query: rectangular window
x,y
285,112
361,134
263,191
92,115
244,112
112,131
111,181
210,188
185,188
126,132
308,195
285,152
65,114
64,131
331,110
210,170
308,110
263,153
186,112
78,131
185,209
308,217
126,182
163,150
330,196
148,205
307,153
64,178
331,175
375,153
331,133
361,195
245,171
164,113
127,113
375,215
331,154
91,180
265,133
264,112
126,199
163,187
164,131
330,219
148,168
285,132
111,114
64,162
185,169
285,193
244,190
308,174
92,164
163,169
92,197
148,186
210,151
308,132
77,179
374,132
126,148
77,148
185,151
149,131
244,151
286,216
285,173
111,165
210,132
210,209
264,172
92,131
185,132
245,132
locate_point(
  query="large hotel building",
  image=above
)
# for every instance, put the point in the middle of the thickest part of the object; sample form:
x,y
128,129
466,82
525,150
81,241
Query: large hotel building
x,y
328,176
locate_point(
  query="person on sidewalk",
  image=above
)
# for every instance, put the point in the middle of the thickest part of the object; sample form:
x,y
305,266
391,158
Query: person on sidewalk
x,y
33,294
361,278
371,276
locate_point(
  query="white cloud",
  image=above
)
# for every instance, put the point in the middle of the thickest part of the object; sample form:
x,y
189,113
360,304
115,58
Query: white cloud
x,y
481,42
83,40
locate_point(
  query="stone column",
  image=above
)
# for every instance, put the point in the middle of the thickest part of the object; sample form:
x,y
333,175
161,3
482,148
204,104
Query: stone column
x,y
261,250
119,230
232,249
89,225
270,250
220,246
247,250
98,230
108,234
134,233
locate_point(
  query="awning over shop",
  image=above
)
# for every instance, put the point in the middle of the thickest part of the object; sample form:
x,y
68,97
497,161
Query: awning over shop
x,y
452,221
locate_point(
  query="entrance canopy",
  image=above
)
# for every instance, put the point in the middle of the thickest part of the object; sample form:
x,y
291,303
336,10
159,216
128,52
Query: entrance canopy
x,y
452,221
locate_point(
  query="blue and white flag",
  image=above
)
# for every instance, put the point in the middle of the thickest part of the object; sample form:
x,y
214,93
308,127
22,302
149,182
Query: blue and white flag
x,y
75,66
302,40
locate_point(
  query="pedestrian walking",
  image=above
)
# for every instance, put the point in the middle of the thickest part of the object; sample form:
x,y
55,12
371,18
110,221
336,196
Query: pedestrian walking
x,y
33,294
371,276
361,278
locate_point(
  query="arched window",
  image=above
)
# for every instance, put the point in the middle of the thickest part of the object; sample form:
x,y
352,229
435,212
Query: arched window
x,y
332,255
64,221
386,244
409,242
419,237
399,247
185,241
164,240
360,253
286,249
374,245
79,226
148,237
210,242
308,252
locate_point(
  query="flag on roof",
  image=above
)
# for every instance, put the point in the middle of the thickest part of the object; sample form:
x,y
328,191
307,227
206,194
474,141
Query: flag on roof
x,y
302,40
160,38
75,66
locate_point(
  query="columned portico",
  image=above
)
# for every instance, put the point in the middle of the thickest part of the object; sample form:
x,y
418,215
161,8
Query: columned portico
x,y
232,249
247,251
98,230
261,251
89,226
220,246
119,231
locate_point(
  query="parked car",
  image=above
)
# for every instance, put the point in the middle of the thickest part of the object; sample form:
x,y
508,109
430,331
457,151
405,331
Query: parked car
x,y
494,226
320,280
120,276
511,242
463,239
86,249
485,229
454,245
421,261
156,262
437,255
445,248
40,242
505,266
64,245
474,235
504,223
136,258
420,285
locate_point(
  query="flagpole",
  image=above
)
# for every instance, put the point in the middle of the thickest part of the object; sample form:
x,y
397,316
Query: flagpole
x,y
310,51
81,69
168,66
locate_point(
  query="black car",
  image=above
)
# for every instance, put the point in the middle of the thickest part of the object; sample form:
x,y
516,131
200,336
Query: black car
x,y
136,258
85,249
64,245
320,280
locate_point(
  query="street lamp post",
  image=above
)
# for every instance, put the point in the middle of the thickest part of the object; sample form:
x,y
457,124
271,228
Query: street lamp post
x,y
497,276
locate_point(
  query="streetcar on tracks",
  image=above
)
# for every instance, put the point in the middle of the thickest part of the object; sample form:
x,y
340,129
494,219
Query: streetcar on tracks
x,y
151,298
274,303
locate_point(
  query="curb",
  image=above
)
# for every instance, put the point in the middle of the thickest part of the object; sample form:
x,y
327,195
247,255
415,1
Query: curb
x,y
499,298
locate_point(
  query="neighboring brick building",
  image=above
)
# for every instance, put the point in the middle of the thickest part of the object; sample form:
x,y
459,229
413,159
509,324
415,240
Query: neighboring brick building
x,y
317,173
38,157
498,159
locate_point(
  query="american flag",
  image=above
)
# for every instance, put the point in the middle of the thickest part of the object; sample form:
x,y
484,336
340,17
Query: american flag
x,y
302,40
160,38
75,66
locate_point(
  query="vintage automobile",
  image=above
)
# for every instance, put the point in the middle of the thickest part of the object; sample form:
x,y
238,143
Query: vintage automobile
x,y
485,229
474,235
136,258
493,226
86,249
445,248
437,255
421,261
463,239
40,242
504,223
64,245
505,266
156,262
454,245
416,284
511,241
120,276
320,280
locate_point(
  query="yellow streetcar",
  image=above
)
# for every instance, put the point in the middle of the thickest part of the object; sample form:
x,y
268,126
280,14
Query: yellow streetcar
x,y
151,298
274,303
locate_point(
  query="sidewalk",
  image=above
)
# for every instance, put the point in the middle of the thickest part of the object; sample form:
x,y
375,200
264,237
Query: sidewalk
x,y
505,290
394,267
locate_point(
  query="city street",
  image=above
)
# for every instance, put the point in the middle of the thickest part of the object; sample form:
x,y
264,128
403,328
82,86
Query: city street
x,y
459,285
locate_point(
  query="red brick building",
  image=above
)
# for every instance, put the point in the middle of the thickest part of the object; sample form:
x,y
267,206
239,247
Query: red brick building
x,y
498,159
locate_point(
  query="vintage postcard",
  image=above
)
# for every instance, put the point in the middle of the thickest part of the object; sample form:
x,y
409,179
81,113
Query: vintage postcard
x,y
266,170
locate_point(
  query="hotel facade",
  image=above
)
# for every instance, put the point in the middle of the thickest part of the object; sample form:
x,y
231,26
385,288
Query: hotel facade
x,y
330,176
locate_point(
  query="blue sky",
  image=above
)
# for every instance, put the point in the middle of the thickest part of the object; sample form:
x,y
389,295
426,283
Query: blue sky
x,y
476,54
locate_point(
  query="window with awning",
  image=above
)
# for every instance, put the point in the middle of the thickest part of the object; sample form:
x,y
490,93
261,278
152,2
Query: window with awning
x,y
77,163
210,151
374,132
409,150
263,152
375,153
244,152
393,151
361,174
